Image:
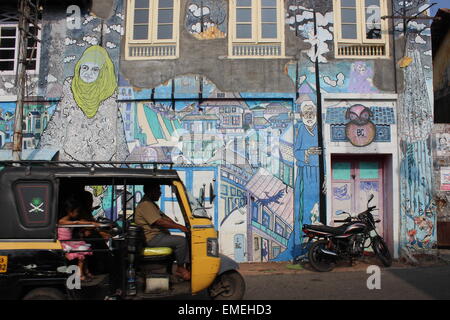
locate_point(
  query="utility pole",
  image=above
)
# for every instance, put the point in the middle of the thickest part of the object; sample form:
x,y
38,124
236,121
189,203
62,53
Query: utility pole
x,y
406,19
24,11
322,199
25,19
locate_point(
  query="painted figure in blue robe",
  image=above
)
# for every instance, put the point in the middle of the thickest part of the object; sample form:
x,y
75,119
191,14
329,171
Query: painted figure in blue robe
x,y
306,188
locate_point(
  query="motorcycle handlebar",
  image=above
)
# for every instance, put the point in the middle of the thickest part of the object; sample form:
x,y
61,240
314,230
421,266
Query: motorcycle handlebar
x,y
346,220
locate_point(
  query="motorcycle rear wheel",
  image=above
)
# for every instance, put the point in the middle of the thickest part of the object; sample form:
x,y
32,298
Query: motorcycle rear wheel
x,y
382,251
320,261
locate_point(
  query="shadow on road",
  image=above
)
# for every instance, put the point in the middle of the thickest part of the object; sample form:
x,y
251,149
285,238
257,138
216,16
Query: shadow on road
x,y
432,281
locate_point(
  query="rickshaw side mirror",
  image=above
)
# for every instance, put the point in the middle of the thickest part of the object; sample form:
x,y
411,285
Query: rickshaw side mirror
x,y
201,197
212,196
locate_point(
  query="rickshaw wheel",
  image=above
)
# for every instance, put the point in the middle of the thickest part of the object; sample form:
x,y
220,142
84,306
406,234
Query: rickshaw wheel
x,y
44,294
228,286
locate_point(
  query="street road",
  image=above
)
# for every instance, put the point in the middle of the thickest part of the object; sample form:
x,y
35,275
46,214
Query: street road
x,y
396,283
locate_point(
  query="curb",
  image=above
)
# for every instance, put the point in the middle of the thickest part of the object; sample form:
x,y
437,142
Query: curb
x,y
281,268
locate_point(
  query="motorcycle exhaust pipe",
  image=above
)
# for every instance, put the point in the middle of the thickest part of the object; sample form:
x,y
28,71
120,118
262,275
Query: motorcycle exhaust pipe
x,y
331,253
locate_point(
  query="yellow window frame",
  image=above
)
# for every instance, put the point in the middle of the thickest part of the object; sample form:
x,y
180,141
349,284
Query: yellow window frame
x,y
152,29
361,26
233,9
256,24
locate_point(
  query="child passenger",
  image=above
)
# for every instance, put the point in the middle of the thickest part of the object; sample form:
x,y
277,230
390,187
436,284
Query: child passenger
x,y
72,208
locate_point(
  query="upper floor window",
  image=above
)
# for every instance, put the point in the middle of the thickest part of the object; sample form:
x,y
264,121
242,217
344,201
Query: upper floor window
x,y
152,29
256,29
360,31
9,49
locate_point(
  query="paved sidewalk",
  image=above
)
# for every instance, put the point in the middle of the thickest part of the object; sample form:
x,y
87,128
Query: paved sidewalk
x,y
275,268
444,254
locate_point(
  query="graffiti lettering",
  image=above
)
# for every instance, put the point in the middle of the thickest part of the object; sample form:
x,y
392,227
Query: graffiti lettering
x,y
73,281
360,133
374,280
374,16
74,18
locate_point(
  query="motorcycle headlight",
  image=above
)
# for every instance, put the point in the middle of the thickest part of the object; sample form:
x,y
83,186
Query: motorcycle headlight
x,y
212,247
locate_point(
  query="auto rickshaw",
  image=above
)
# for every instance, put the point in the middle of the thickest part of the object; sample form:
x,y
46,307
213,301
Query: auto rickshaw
x,y
32,259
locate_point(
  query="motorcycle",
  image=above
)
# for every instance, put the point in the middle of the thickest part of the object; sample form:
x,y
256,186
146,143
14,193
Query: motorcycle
x,y
347,241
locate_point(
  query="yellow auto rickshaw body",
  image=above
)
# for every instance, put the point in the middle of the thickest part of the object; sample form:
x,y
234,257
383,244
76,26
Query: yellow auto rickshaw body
x,y
22,239
204,267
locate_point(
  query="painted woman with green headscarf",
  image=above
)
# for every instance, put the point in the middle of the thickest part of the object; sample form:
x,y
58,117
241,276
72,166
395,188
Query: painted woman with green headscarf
x,y
87,124
94,80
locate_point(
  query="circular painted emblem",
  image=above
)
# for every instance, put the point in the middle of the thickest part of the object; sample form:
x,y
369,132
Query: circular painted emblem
x,y
360,136
360,131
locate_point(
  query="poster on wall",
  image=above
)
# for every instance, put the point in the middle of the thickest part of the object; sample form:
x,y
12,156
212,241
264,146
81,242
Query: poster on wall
x,y
443,144
445,179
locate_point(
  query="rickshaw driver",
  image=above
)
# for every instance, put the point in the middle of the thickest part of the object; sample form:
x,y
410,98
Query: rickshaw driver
x,y
156,227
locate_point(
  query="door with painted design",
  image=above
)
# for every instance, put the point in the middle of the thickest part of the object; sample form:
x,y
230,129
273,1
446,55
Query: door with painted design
x,y
352,181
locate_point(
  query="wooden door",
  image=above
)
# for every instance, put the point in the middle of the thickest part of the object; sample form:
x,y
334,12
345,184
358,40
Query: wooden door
x,y
353,180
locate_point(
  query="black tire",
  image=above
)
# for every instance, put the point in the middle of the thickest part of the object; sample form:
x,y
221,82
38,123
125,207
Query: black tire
x,y
320,261
382,251
45,294
228,286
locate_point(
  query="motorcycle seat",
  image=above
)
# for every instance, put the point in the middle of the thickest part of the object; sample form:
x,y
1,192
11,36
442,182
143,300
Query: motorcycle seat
x,y
327,229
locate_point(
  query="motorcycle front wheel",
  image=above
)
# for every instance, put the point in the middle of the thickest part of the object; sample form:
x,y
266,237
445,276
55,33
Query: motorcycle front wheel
x,y
320,261
382,251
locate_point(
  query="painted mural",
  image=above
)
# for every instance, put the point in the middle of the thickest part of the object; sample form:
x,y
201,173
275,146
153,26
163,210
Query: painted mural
x,y
250,144
206,19
88,111
87,125
360,131
418,211
306,154
76,89
360,124
443,144
36,118
258,149
300,18
335,76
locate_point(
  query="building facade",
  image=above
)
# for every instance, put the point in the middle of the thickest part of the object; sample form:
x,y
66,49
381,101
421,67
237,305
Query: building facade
x,y
440,31
230,91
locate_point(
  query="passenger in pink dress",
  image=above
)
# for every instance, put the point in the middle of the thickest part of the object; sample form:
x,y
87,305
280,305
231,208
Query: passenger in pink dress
x,y
72,211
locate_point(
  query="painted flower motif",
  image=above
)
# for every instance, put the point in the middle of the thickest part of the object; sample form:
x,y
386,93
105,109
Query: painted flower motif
x,y
412,236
